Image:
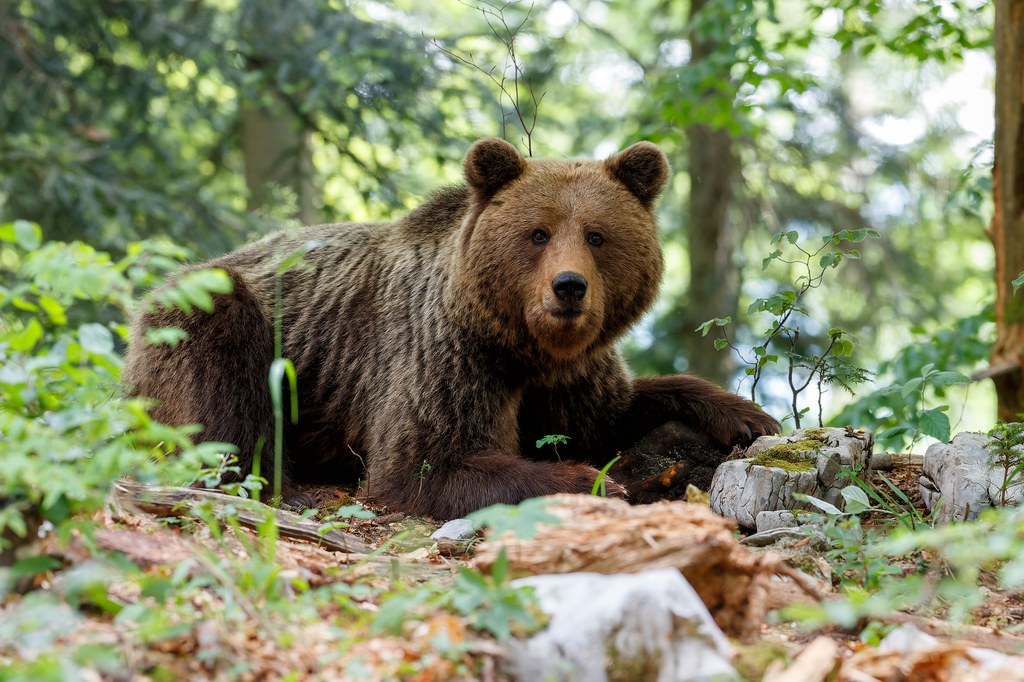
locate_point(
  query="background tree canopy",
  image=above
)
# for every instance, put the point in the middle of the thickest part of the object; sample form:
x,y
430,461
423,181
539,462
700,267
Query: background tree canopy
x,y
209,122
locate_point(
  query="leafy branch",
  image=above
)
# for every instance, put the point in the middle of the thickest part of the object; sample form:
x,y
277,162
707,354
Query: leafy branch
x,y
825,368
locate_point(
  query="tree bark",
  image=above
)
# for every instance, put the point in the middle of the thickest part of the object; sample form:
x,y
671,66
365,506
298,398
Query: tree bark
x,y
1007,230
277,151
714,282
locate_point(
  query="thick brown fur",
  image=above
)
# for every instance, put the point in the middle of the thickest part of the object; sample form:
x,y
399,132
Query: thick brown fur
x,y
431,348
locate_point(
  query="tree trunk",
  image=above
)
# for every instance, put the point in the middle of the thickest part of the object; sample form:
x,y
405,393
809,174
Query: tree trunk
x,y
714,282
1007,231
277,151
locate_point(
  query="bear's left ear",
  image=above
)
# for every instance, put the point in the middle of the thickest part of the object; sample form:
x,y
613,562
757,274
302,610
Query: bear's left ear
x,y
491,164
642,168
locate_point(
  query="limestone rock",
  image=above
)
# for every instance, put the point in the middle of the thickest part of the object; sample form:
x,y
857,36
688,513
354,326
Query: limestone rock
x,y
644,626
960,475
743,488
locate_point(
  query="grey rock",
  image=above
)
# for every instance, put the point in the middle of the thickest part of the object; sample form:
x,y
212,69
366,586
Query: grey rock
x,y
781,518
647,626
960,477
741,490
456,529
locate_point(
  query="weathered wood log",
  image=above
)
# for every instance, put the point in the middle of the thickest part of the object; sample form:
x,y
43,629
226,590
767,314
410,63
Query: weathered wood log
x,y
171,501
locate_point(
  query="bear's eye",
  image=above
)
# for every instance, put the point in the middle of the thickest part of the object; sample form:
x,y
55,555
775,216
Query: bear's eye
x,y
540,237
595,238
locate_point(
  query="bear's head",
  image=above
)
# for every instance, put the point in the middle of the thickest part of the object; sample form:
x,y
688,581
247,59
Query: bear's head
x,y
565,251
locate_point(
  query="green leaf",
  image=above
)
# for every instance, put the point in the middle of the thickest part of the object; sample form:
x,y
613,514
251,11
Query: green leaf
x,y
29,235
721,343
292,259
34,565
856,499
598,486
934,423
706,326
911,386
765,262
54,310
895,431
948,378
23,233
166,336
96,339
27,338
1018,283
522,519
552,439
824,506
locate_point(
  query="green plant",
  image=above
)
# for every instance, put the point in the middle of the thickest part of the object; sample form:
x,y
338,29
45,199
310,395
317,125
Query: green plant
x,y
852,563
599,484
824,368
896,411
1007,450
915,419
553,440
490,603
66,431
522,520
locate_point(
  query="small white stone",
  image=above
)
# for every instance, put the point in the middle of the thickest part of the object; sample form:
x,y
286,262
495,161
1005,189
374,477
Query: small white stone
x,y
456,529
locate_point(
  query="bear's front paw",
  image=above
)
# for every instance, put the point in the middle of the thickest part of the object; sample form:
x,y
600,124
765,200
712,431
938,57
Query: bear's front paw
x,y
742,424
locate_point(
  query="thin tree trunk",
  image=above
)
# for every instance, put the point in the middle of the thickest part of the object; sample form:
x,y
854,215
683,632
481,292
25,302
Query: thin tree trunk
x,y
714,281
1007,230
277,152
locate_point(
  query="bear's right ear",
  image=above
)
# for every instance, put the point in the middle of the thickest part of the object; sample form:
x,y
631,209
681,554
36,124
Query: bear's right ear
x,y
491,164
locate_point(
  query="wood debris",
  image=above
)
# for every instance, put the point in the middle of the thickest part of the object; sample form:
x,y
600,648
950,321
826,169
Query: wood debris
x,y
610,536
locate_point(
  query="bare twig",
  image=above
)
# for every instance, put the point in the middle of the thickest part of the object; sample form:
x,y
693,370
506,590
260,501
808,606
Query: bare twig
x,y
506,34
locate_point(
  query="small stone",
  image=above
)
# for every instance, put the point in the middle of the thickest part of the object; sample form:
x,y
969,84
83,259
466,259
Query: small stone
x,y
456,529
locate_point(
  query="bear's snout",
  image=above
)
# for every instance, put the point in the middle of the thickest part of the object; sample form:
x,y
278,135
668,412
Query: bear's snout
x,y
569,286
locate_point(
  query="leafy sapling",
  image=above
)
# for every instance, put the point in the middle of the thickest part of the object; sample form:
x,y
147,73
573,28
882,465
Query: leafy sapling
x,y
554,440
782,337
1007,452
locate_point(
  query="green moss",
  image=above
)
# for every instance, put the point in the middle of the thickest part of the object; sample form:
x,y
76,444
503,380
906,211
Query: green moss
x,y
789,456
816,433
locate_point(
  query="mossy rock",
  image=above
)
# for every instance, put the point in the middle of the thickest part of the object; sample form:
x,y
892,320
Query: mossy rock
x,y
795,456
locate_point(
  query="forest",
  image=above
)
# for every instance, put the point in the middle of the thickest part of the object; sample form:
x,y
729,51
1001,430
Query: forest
x,y
842,229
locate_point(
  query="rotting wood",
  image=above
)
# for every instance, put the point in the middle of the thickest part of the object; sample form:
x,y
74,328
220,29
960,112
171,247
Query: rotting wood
x,y
172,501
610,536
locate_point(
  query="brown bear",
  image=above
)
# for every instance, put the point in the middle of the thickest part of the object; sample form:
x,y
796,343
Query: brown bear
x,y
435,350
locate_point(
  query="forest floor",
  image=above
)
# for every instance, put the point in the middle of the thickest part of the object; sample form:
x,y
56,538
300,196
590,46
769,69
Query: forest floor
x,y
241,621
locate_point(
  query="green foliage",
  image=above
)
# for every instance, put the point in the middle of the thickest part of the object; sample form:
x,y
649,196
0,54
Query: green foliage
x,y
66,433
599,487
552,439
123,120
1007,450
785,307
522,520
911,404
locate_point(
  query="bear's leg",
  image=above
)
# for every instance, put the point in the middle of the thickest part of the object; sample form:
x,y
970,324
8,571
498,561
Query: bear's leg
x,y
217,376
607,412
479,481
724,416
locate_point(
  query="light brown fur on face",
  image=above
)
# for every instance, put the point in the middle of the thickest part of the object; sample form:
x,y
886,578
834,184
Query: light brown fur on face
x,y
438,347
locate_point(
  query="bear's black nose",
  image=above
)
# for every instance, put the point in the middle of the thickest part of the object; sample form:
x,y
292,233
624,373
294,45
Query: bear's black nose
x,y
569,286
